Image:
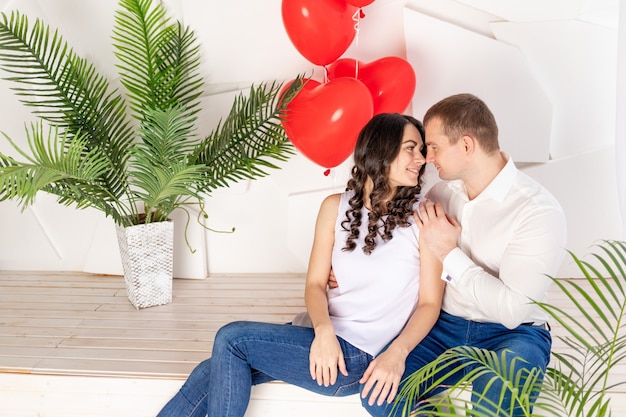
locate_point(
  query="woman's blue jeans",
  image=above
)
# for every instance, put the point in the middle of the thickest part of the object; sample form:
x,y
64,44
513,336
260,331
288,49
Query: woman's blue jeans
x,y
531,343
250,353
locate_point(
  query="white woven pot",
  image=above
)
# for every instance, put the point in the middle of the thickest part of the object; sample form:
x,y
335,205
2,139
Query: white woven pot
x,y
147,252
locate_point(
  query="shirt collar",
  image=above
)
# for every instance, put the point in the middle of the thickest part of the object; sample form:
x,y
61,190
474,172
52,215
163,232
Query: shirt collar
x,y
499,187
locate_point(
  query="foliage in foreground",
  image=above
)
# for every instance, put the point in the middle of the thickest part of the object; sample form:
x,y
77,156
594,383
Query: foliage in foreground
x,y
579,381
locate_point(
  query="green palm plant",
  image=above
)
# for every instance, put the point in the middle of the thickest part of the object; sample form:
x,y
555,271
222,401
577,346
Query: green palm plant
x,y
133,154
579,380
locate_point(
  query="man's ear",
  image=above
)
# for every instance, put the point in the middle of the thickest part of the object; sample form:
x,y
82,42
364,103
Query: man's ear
x,y
469,144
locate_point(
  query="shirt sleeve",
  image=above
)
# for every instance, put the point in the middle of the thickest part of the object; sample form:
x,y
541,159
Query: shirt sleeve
x,y
535,251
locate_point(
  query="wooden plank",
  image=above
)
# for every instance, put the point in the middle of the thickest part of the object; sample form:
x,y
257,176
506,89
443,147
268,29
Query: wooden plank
x,y
18,364
105,334
131,314
68,291
74,306
109,368
227,300
251,308
76,324
44,343
143,344
106,353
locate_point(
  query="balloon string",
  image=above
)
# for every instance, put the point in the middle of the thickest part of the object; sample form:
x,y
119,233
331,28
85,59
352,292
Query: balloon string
x,y
333,176
357,22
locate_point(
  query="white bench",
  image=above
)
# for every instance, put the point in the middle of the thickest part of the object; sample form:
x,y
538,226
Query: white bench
x,y
24,395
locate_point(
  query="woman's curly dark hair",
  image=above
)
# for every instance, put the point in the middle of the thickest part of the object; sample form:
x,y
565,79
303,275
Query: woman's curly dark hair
x,y
377,146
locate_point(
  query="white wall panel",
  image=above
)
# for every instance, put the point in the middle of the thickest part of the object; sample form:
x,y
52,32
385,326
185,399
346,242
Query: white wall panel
x,y
588,200
575,62
23,243
449,60
620,129
243,40
525,10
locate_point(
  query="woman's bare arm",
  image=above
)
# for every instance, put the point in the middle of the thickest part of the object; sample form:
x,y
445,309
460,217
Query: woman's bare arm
x,y
326,356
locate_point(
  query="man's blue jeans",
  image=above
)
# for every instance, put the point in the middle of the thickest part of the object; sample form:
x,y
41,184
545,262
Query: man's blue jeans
x,y
250,353
531,343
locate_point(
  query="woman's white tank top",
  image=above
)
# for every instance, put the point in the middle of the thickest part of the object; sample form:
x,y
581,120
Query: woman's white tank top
x,y
378,292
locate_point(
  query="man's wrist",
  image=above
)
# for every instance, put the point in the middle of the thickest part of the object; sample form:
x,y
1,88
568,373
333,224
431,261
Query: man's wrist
x,y
455,263
444,253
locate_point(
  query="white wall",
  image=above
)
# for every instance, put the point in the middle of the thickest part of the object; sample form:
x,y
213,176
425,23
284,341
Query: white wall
x,y
547,68
620,135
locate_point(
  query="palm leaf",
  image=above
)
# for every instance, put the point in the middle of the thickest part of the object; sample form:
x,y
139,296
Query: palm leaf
x,y
159,69
465,364
158,61
65,90
57,165
160,169
243,145
579,383
594,336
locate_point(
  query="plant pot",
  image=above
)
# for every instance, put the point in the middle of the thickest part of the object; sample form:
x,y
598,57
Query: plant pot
x,y
147,258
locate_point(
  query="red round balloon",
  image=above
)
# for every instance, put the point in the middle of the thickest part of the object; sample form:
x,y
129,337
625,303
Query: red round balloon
x,y
391,80
321,30
323,121
359,3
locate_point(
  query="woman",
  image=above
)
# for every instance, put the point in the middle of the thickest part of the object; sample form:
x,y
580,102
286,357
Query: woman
x,y
367,235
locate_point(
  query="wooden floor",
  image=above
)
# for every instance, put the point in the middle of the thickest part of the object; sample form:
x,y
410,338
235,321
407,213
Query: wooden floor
x,y
63,330
78,324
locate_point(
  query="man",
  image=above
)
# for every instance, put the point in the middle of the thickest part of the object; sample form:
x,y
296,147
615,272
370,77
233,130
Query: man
x,y
498,234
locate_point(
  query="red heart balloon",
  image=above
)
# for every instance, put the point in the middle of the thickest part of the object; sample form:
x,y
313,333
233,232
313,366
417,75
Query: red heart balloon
x,y
359,3
321,30
391,81
323,121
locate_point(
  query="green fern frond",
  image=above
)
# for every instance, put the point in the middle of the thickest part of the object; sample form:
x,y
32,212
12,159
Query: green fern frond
x,y
595,336
248,139
580,381
179,63
65,90
160,169
163,189
57,165
518,387
167,137
159,68
113,158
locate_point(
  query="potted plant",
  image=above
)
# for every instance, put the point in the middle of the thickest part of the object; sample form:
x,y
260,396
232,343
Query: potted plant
x,y
581,377
134,154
